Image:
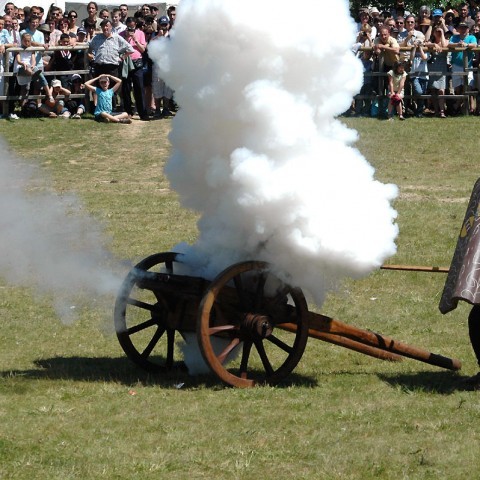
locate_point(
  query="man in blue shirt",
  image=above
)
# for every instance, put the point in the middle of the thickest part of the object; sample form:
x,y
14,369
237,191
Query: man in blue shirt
x,y
462,42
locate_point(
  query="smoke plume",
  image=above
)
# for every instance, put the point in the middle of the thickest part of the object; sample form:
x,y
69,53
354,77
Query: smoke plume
x,y
257,148
49,242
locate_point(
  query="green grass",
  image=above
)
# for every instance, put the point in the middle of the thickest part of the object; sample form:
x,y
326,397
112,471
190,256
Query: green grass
x,y
73,407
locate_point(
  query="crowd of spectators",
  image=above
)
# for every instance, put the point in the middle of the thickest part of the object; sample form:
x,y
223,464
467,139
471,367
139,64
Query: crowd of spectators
x,y
112,46
439,58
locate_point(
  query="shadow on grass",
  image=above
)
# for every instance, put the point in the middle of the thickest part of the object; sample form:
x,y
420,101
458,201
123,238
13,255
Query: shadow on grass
x,y
444,382
123,371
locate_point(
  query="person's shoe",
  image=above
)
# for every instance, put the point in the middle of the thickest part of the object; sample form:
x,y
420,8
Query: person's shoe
x,y
75,116
166,113
13,116
401,117
145,119
125,120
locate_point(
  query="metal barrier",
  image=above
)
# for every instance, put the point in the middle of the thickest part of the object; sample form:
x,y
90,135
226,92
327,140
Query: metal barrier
x,y
8,74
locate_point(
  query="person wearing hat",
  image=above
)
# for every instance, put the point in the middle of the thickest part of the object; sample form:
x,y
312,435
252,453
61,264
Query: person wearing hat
x,y
81,36
374,12
52,106
76,106
462,40
438,20
163,24
425,26
365,19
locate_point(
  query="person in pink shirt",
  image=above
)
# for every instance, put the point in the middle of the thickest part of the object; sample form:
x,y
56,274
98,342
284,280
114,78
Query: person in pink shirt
x,y
136,38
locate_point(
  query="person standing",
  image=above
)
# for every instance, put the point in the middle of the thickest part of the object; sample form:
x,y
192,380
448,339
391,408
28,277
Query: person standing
x,y
437,66
136,39
386,49
464,41
72,21
463,17
123,12
117,26
108,48
92,10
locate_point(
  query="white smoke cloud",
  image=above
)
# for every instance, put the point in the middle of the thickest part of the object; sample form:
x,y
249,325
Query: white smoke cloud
x,y
256,145
50,243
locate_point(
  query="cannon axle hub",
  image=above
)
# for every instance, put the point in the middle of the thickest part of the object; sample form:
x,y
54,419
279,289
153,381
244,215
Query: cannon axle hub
x,y
257,325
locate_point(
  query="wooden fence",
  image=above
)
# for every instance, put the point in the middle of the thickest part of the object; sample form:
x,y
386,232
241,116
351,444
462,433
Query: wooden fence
x,y
380,87
8,74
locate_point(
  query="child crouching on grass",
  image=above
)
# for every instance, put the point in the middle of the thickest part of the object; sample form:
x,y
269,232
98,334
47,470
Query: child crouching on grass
x,y
396,84
103,108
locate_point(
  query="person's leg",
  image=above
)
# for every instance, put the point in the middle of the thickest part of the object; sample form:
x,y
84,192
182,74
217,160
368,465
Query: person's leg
x,y
127,95
418,89
138,93
390,110
122,117
441,104
399,108
474,330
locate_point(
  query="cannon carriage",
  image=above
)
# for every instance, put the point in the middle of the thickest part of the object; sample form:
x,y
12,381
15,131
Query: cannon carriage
x,y
251,326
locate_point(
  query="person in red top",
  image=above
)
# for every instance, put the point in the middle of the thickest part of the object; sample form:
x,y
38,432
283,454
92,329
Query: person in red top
x,y
136,38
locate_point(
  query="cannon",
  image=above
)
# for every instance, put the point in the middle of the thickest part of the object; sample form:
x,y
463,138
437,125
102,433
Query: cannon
x,y
251,326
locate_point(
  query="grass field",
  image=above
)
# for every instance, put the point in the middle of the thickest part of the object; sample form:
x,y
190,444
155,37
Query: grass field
x,y
73,407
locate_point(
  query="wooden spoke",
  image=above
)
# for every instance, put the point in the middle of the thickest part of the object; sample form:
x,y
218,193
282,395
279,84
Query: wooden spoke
x,y
223,356
247,348
154,340
138,308
140,304
263,357
142,326
221,328
276,341
239,312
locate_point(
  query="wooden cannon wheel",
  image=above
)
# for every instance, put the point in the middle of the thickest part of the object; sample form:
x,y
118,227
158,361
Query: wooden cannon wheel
x,y
141,317
243,306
